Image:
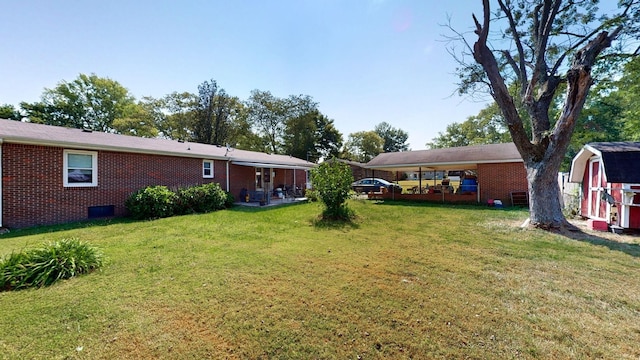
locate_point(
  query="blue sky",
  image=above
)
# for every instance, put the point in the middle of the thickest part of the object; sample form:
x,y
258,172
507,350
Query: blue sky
x,y
363,61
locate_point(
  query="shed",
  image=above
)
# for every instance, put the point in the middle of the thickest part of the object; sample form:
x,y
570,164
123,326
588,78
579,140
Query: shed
x,y
609,173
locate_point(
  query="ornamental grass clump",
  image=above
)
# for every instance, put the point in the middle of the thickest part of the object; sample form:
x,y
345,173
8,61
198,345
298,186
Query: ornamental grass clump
x,y
55,261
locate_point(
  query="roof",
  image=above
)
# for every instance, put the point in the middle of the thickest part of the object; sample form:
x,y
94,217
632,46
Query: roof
x,y
456,158
621,161
37,134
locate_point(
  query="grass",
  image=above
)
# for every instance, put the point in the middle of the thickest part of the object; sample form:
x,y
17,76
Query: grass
x,y
404,281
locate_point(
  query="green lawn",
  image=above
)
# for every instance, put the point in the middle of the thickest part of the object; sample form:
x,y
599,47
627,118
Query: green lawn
x,y
405,281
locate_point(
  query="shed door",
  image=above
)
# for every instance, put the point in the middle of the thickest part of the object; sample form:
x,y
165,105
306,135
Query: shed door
x,y
634,211
597,206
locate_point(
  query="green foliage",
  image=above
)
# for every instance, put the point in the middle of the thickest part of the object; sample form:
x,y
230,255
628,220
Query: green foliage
x,y
152,202
201,199
312,136
488,127
629,93
9,112
55,261
332,181
311,195
86,102
363,146
155,202
394,139
229,200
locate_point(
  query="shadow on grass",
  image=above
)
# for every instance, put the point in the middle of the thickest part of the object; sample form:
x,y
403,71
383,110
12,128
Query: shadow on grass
x,y
632,249
46,229
579,235
328,224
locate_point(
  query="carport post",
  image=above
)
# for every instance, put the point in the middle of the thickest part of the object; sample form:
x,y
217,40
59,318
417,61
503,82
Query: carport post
x,y
419,179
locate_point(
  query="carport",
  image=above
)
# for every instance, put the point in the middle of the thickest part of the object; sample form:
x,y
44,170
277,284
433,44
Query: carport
x,y
498,172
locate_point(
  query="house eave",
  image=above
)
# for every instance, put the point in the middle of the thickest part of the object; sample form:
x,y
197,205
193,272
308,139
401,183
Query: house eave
x,y
87,146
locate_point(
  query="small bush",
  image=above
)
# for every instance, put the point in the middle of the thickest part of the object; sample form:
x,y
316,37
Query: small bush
x,y
311,195
152,202
228,202
42,267
332,181
201,199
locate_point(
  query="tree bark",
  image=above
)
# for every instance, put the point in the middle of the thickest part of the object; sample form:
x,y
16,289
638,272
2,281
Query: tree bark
x,y
543,154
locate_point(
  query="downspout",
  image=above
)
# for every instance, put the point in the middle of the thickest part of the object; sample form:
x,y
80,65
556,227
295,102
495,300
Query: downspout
x,y
228,175
0,183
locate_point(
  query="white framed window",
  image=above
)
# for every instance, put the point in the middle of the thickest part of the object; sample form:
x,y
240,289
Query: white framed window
x,y
207,169
80,168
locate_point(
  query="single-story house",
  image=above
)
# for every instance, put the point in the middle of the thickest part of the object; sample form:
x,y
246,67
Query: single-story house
x,y
493,172
610,176
51,175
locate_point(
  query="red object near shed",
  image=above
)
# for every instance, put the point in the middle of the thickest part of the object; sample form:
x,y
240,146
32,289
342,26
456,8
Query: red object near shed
x,y
610,177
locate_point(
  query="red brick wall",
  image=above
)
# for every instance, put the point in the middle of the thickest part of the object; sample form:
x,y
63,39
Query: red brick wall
x,y
498,180
33,192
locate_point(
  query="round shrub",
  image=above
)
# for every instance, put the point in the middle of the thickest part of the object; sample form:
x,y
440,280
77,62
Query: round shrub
x,y
54,261
152,202
230,199
201,199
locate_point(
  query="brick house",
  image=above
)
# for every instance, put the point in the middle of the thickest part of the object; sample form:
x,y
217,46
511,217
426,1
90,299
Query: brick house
x,y
51,175
493,172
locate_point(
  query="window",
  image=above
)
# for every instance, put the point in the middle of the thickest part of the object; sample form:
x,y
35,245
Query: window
x,y
207,168
80,168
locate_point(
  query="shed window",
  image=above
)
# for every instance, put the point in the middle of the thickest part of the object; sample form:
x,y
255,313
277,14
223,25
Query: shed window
x,y
207,168
80,168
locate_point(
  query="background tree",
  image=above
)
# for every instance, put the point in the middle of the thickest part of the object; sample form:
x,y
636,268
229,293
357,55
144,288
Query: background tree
x,y
300,136
628,93
485,128
312,136
363,146
9,112
269,115
212,112
543,44
332,181
87,102
138,120
175,115
394,139
328,139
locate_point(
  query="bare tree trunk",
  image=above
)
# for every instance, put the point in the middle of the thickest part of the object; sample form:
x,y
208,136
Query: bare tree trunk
x,y
545,210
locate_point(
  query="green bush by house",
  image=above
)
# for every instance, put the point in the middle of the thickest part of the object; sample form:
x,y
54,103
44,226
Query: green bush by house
x,y
155,202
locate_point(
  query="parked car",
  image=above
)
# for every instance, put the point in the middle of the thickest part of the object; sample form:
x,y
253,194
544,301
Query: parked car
x,y
375,185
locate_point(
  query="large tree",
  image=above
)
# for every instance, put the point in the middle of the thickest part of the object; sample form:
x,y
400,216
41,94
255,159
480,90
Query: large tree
x,y
212,114
269,115
362,146
89,102
9,112
485,128
395,139
312,136
541,45
628,93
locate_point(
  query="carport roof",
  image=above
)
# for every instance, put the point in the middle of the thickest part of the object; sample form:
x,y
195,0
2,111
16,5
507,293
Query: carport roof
x,y
456,158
